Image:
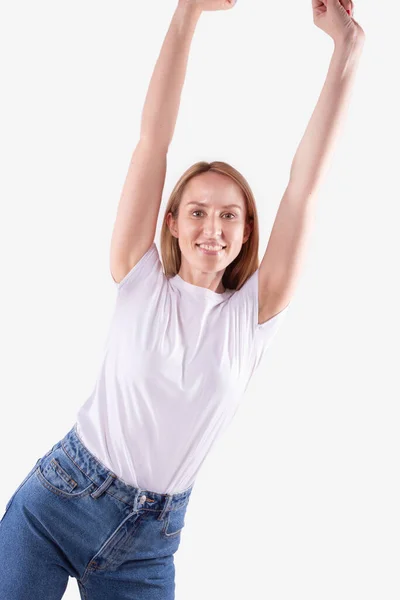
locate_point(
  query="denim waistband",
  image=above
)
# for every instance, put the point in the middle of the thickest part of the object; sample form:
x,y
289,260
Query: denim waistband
x,y
105,479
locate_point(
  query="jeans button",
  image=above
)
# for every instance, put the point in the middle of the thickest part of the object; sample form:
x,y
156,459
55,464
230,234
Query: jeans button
x,y
142,499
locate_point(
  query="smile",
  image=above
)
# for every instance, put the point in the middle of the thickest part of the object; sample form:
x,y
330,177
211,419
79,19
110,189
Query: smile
x,y
210,249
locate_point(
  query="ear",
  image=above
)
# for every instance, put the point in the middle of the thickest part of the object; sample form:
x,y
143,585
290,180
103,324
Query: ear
x,y
248,228
172,224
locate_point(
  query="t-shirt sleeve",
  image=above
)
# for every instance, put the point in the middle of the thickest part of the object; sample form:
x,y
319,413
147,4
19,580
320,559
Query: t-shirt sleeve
x,y
260,334
146,273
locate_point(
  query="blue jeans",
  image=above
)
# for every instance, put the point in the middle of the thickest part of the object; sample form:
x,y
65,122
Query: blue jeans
x,y
73,517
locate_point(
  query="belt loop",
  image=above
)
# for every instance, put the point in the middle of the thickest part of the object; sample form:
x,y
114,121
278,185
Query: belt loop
x,y
166,507
104,486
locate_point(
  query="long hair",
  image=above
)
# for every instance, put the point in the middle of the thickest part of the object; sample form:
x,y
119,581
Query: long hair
x,y
246,263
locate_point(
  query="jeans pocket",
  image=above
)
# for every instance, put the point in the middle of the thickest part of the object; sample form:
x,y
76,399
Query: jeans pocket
x,y
174,522
59,474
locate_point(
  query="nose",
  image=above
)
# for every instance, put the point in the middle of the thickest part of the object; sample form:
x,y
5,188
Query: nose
x,y
212,227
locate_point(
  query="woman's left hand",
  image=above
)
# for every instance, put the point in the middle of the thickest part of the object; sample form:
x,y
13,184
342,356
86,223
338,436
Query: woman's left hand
x,y
335,18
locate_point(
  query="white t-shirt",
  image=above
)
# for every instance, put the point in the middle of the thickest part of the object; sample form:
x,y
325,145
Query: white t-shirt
x,y
177,361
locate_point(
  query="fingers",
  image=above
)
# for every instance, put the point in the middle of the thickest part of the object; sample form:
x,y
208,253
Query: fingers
x,y
347,5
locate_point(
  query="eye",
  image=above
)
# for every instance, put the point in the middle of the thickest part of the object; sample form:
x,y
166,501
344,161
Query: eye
x,y
199,211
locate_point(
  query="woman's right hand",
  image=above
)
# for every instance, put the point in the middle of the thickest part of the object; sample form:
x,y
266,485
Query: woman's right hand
x,y
210,4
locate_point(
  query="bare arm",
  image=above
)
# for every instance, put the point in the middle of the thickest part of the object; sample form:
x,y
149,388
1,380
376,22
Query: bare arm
x,y
283,258
136,220
316,147
161,108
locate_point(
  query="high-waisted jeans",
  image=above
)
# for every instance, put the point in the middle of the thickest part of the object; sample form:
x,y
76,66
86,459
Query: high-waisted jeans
x,y
73,517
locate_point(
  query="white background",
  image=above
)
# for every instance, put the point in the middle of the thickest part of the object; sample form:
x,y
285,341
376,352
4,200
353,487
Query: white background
x,y
301,496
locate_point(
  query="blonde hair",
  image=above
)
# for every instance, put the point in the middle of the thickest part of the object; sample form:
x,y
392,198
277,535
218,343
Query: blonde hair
x,y
246,263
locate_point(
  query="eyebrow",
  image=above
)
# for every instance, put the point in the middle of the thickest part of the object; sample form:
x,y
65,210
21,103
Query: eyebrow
x,y
206,204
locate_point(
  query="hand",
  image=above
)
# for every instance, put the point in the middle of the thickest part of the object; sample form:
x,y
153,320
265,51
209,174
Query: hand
x,y
210,4
335,18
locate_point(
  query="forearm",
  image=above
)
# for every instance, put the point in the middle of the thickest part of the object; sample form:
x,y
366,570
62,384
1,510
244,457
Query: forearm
x,y
313,154
162,102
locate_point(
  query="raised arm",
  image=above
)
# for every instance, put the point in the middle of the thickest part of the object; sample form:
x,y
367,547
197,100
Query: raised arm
x,y
283,258
139,205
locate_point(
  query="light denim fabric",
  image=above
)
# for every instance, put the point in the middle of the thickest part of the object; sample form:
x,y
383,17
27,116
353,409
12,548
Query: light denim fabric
x,y
73,517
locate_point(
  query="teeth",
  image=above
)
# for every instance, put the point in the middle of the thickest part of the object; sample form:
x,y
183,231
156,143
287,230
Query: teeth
x,y
210,247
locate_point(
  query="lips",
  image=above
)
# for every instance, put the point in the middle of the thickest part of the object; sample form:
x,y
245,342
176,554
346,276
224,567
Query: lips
x,y
221,247
208,252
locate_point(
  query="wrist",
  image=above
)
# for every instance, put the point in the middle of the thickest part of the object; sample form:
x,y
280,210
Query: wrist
x,y
190,6
354,40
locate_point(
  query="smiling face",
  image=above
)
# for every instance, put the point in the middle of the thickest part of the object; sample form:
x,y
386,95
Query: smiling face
x,y
212,212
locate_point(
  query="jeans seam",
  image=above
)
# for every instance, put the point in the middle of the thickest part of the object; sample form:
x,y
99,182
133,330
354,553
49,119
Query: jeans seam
x,y
90,569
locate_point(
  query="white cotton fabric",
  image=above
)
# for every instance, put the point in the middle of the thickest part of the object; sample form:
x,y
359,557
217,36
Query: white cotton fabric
x,y
177,362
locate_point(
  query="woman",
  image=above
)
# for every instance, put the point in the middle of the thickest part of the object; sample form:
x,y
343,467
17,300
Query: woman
x,y
106,504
